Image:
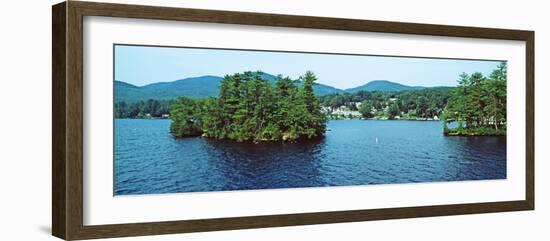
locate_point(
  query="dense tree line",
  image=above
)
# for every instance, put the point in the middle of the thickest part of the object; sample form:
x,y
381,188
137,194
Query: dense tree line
x,y
250,108
142,109
478,103
424,103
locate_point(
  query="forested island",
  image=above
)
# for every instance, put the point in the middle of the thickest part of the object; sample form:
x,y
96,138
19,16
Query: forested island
x,y
251,107
478,104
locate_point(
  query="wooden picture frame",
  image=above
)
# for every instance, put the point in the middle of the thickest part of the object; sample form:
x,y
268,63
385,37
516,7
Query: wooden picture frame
x,y
67,122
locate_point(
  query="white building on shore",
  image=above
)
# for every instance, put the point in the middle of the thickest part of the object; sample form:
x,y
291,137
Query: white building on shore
x,y
341,111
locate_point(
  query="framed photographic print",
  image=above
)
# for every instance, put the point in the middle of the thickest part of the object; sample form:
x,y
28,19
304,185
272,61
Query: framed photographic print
x,y
171,120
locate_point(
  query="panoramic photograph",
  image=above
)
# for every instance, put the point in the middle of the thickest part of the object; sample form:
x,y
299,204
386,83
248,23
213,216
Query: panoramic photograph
x,y
205,119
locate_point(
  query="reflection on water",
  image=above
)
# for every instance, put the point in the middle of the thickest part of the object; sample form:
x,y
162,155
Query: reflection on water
x,y
148,160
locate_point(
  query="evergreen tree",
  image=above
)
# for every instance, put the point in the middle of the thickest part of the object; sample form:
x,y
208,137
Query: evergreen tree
x,y
479,102
186,118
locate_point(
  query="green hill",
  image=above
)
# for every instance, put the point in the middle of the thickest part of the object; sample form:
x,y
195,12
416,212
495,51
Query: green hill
x,y
195,87
208,85
383,85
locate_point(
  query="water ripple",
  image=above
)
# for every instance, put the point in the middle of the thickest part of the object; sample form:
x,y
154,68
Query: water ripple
x,y
148,160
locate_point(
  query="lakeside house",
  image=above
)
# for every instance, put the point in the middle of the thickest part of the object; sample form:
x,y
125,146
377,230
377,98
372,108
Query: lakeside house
x,y
348,112
343,111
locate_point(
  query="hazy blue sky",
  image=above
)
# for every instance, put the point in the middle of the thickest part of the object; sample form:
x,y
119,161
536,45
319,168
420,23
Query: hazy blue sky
x,y
141,65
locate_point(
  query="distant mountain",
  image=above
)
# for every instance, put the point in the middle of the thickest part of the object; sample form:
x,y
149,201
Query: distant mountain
x,y
383,85
127,92
321,89
195,87
208,85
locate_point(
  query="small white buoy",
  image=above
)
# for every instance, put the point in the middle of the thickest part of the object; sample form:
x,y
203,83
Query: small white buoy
x,y
376,139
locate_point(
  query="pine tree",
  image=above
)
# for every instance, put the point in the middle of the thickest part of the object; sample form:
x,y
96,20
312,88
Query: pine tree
x,y
186,118
479,101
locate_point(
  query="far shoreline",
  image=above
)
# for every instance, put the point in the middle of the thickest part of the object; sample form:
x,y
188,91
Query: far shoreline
x,y
450,133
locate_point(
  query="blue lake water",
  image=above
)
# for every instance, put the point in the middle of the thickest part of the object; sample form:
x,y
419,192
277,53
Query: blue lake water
x,y
354,152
